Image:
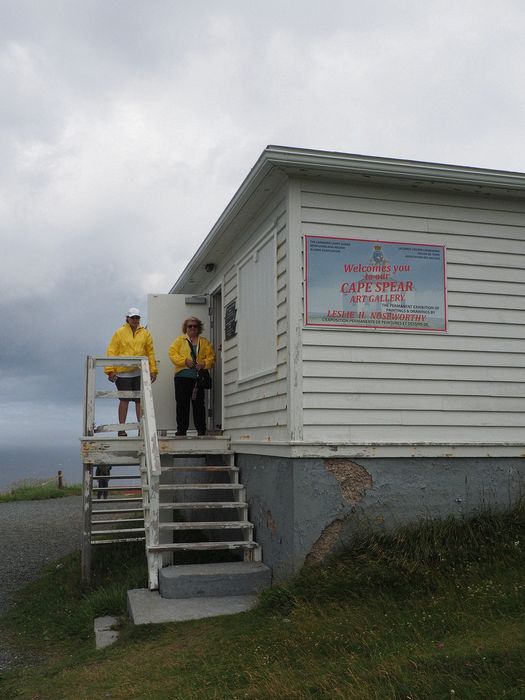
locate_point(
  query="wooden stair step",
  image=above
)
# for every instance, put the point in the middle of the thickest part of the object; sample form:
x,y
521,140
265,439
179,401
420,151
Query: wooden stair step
x,y
201,546
115,488
217,525
201,487
117,520
124,499
117,476
119,540
123,531
203,504
107,511
114,460
192,450
203,468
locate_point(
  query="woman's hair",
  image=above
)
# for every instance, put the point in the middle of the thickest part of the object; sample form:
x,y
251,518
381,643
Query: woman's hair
x,y
195,320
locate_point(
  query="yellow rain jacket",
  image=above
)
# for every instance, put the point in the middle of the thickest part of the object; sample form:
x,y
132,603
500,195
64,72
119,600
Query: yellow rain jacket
x,y
180,351
125,343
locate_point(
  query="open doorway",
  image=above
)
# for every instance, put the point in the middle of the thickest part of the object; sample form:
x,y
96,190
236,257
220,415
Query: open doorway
x,y
165,315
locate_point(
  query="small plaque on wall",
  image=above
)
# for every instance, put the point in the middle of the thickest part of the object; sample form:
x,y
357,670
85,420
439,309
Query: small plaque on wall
x,y
230,320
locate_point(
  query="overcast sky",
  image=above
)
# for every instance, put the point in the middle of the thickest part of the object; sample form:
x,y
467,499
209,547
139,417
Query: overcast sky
x,y
126,126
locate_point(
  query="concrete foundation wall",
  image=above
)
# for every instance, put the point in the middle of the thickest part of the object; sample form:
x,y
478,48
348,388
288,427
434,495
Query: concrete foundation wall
x,y
304,509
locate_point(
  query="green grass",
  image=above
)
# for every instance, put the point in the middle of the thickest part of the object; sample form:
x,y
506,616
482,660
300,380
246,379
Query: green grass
x,y
429,612
38,491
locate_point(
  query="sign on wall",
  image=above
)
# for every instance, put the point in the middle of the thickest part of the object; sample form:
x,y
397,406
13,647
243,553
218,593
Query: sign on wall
x,y
357,283
230,320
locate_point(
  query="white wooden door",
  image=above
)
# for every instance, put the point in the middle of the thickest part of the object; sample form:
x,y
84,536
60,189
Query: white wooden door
x,y
166,312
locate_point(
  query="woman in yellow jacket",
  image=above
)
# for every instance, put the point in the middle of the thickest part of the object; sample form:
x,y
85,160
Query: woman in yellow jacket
x,y
130,340
190,353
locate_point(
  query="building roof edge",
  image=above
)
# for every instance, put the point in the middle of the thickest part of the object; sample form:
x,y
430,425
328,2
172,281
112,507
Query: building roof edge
x,y
292,160
389,167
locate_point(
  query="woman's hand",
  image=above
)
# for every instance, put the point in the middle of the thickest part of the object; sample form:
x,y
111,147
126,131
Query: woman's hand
x,y
190,364
112,377
198,366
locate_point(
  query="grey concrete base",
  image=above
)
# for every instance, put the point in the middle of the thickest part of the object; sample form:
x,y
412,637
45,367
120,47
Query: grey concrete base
x,y
104,634
147,607
306,509
236,578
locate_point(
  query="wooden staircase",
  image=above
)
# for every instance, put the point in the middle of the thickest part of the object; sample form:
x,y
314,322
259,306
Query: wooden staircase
x,y
182,496
117,512
203,506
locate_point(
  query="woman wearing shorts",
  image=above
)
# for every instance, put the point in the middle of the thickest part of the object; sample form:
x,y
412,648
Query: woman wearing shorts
x,y
130,340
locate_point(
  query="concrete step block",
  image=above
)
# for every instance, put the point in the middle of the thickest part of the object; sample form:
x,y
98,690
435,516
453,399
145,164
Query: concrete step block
x,y
147,607
214,580
105,634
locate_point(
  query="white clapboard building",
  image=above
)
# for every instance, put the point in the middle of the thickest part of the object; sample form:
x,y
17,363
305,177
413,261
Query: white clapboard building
x,y
369,321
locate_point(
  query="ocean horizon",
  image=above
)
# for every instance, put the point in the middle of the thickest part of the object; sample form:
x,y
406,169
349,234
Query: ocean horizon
x,y
36,464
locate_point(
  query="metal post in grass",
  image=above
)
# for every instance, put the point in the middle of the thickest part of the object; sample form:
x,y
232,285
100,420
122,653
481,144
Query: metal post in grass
x,y
60,479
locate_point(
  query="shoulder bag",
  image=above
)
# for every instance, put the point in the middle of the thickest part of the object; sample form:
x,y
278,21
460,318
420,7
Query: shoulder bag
x,y
203,375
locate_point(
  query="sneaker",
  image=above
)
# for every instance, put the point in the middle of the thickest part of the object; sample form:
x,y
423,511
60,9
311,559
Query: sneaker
x,y
122,433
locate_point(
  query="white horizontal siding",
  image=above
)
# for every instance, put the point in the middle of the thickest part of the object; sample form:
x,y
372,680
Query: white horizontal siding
x,y
409,357
483,315
256,409
465,386
436,205
379,401
403,341
365,387
340,371
410,434
483,273
491,288
486,330
418,417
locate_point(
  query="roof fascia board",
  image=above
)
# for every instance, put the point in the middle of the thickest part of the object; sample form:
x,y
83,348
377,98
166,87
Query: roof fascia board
x,y
286,157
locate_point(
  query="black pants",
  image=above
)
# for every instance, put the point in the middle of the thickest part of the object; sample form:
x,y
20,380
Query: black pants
x,y
102,471
183,393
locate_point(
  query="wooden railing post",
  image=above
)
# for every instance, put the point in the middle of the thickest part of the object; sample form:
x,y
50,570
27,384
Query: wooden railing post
x,y
89,402
89,429
86,522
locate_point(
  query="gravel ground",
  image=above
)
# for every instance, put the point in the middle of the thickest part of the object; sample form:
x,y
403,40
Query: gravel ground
x,y
32,535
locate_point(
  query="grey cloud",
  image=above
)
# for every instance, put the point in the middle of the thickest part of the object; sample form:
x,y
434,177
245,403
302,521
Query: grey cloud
x,y
128,125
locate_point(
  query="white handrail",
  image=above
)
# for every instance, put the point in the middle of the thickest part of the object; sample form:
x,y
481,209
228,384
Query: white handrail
x,y
152,456
148,432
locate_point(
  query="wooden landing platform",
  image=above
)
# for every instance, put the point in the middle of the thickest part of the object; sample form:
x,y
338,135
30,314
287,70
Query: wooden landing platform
x,y
115,450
